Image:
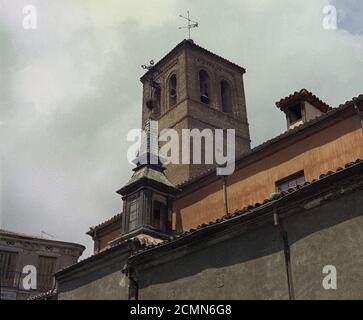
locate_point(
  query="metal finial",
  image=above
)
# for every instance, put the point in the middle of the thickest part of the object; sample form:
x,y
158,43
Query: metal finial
x,y
150,66
191,24
153,73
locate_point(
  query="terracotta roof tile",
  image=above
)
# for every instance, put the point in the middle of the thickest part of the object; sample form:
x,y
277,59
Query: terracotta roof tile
x,y
44,295
105,223
303,94
105,252
10,233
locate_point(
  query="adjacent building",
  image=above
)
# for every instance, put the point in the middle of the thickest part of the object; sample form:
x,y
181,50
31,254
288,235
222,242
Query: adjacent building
x,y
18,251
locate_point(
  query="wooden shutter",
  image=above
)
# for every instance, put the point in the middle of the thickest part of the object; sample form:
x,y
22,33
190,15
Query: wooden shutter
x,y
46,269
8,270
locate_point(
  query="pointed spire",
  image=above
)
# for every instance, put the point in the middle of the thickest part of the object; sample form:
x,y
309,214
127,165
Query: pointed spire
x,y
149,149
149,166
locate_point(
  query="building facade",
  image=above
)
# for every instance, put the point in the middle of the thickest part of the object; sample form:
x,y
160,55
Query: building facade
x,y
21,254
290,211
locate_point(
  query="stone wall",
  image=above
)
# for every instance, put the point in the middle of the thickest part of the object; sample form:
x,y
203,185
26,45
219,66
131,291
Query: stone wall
x,y
98,278
325,229
330,234
250,266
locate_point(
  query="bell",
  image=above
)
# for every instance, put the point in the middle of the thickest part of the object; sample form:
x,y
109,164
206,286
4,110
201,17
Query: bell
x,y
204,98
173,93
150,103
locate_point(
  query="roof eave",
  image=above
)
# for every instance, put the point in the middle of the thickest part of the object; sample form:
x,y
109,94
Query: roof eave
x,y
186,43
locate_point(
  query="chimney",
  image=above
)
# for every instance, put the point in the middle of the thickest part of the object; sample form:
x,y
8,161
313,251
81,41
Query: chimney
x,y
301,107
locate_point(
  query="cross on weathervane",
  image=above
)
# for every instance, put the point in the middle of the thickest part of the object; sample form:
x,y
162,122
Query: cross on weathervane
x,y
191,24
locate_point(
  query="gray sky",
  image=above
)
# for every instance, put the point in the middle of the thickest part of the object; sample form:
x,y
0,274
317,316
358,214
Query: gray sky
x,y
70,90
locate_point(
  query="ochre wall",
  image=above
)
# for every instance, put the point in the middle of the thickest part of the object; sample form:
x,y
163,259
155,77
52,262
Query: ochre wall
x,y
106,235
319,153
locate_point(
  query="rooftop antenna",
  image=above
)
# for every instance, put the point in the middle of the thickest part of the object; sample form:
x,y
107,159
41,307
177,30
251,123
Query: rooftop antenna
x,y
191,23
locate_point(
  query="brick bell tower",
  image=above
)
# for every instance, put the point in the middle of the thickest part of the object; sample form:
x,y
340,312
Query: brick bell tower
x,y
196,89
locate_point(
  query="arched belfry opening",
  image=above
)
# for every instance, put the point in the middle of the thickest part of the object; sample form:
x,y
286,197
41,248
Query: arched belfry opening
x,y
226,97
172,91
204,84
160,213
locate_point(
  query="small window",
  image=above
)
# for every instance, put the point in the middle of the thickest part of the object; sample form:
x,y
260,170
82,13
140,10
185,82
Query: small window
x,y
291,182
133,214
153,103
295,113
159,221
8,270
204,86
226,97
45,272
172,91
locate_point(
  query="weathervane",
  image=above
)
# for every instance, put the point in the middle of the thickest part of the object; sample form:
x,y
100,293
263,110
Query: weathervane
x,y
191,23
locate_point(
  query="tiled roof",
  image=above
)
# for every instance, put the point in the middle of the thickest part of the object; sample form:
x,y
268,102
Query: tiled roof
x,y
8,233
149,173
130,242
44,295
303,94
249,209
192,44
105,223
276,139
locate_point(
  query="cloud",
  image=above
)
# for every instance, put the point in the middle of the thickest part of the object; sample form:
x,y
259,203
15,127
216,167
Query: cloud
x,y
350,15
70,91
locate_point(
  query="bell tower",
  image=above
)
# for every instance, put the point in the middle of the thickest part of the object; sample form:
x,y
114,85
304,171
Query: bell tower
x,y
196,89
